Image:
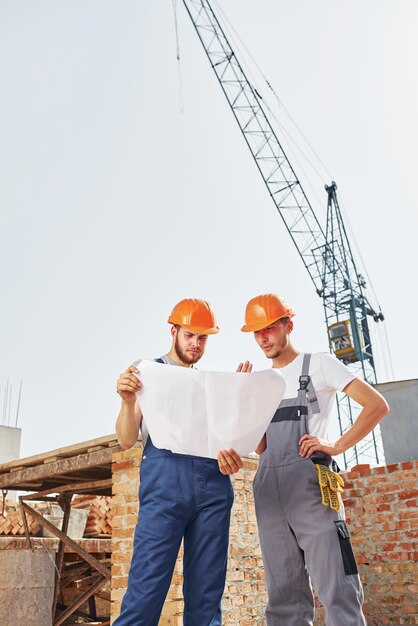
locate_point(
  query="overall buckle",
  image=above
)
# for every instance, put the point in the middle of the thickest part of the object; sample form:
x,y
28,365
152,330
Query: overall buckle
x,y
304,381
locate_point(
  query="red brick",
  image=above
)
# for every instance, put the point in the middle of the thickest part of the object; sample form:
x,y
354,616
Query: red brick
x,y
408,514
361,467
410,493
122,465
407,465
384,507
361,559
398,556
349,502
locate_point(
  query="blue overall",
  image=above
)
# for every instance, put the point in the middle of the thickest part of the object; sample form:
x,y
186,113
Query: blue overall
x,y
300,538
180,497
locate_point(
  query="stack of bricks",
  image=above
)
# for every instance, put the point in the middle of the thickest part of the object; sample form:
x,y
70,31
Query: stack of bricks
x,y
11,519
99,521
382,513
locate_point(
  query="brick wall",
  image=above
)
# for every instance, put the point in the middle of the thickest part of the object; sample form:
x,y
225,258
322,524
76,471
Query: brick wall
x,y
125,474
382,513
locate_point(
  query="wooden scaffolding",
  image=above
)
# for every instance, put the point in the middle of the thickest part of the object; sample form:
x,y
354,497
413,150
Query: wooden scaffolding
x,y
55,476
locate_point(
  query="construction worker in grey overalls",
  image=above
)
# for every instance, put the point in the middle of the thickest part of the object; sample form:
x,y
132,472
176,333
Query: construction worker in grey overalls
x,y
297,492
181,497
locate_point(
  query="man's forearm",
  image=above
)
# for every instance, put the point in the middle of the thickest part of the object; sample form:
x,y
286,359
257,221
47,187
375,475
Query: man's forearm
x,y
127,425
367,420
374,410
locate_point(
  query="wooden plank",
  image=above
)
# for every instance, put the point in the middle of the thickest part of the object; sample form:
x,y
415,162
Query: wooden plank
x,y
93,546
73,450
63,466
29,486
101,472
53,484
92,473
73,487
74,572
64,502
25,523
92,607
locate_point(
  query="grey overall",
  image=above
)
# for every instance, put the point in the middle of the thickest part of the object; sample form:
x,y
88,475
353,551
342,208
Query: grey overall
x,y
300,538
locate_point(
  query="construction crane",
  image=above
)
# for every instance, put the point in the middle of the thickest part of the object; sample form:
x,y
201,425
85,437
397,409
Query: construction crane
x,y
327,256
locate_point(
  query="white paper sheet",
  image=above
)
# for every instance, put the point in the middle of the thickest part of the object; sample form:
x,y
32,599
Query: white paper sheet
x,y
195,412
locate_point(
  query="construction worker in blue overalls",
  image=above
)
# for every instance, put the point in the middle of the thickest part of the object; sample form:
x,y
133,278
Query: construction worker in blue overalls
x,y
297,493
181,497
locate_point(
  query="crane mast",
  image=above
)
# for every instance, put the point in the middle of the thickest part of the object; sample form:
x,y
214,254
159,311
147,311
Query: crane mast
x,y
327,256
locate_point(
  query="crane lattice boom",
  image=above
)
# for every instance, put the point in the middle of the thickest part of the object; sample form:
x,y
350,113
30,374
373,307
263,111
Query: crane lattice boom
x,y
327,256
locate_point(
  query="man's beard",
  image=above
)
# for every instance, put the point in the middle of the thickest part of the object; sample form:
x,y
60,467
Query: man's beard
x,y
183,356
275,355
278,352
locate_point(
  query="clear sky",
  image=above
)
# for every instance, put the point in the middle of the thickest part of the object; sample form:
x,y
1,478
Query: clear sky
x,y
126,186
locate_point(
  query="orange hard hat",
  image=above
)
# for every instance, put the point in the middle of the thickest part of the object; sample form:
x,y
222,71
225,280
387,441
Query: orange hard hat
x,y
263,310
195,315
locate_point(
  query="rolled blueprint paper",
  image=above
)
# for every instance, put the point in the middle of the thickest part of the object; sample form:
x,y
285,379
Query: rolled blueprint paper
x,y
195,412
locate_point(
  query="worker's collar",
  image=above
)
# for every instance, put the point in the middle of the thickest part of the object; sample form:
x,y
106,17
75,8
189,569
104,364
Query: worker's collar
x,y
169,361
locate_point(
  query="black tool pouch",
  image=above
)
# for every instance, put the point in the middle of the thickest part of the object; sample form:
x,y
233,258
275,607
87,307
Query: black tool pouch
x,y
349,561
321,458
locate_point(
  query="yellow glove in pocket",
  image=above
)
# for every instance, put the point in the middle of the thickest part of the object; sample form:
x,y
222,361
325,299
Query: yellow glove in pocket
x,y
331,485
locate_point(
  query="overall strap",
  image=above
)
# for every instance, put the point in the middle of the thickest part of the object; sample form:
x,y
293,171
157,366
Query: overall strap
x,y
306,391
291,409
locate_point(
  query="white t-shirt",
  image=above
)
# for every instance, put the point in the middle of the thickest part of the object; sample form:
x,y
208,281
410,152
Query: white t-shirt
x,y
328,375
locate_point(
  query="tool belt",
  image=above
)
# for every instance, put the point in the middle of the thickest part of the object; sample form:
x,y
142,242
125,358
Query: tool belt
x,y
331,484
